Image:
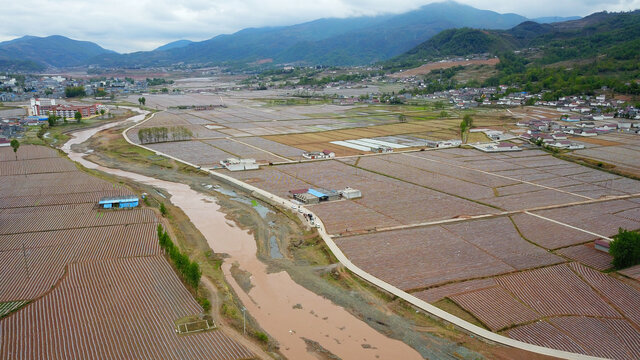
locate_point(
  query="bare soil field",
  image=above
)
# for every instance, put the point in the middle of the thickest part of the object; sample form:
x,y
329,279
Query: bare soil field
x,y
495,307
481,248
76,319
27,152
58,217
625,157
625,297
555,291
420,257
397,201
321,140
438,293
242,151
632,272
548,234
617,339
99,284
427,68
34,262
588,255
195,152
604,218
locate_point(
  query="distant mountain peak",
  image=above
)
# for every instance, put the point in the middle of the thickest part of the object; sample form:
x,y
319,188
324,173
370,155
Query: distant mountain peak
x,y
174,45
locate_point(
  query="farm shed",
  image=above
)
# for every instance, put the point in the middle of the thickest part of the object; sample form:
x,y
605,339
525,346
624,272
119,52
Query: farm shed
x,y
325,195
602,245
118,202
349,193
233,164
307,198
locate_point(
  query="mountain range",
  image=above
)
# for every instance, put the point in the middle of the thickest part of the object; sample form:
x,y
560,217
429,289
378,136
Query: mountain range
x,y
616,35
349,41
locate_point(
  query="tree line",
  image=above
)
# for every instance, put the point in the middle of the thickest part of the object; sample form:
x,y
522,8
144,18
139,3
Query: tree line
x,y
163,134
190,270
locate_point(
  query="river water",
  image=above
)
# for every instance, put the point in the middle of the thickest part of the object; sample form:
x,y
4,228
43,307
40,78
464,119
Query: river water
x,y
287,311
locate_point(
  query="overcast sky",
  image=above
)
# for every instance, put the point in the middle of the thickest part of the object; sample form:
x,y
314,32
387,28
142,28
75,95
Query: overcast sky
x,y
132,25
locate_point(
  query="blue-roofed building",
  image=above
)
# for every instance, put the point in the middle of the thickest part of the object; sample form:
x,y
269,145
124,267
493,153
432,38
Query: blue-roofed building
x,y
316,193
118,202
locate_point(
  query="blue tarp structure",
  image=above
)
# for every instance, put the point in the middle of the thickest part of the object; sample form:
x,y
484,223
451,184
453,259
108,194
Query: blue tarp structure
x,y
118,202
316,193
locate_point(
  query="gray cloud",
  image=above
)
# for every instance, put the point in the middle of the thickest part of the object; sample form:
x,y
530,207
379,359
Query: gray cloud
x,y
126,25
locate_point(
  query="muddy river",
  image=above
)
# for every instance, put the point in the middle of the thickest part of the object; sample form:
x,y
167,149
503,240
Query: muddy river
x,y
287,311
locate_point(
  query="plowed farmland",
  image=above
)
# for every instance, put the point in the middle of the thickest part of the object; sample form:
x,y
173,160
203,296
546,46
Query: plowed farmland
x,y
556,290
588,255
495,307
98,285
493,233
115,309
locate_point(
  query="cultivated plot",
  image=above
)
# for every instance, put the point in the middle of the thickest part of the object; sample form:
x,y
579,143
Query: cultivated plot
x,y
116,309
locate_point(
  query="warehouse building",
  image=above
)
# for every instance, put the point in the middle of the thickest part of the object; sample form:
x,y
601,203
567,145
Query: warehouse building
x,y
314,196
349,193
233,164
118,202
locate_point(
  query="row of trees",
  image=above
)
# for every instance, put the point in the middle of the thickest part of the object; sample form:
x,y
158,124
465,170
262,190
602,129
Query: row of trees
x,y
190,270
53,118
162,134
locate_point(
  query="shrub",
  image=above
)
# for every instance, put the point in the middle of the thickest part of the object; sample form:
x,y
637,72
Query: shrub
x,y
625,249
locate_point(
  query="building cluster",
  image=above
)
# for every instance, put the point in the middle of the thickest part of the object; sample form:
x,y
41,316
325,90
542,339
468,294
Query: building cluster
x,y
315,155
24,87
45,107
555,133
315,196
235,164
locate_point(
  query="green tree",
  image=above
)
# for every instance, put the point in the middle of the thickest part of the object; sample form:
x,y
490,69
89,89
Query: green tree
x,y
163,209
15,144
78,116
193,274
74,91
625,249
52,119
205,303
102,112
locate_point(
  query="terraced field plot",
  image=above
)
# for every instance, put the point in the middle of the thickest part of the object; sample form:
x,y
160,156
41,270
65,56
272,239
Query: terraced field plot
x,y
440,254
98,285
195,152
604,218
495,307
76,319
588,255
616,338
385,202
241,150
623,151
